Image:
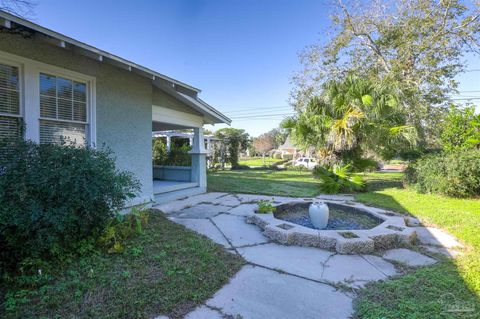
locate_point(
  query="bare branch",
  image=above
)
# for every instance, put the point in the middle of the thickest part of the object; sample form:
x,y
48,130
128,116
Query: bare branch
x,y
368,41
20,8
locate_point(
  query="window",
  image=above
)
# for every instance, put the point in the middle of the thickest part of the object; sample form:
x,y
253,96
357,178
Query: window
x,y
44,103
10,110
63,110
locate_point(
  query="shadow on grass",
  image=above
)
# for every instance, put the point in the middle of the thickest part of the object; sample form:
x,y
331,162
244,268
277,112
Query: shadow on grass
x,y
443,290
262,186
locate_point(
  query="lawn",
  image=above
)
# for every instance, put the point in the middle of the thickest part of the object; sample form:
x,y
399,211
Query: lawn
x,y
422,293
258,161
165,270
267,182
427,292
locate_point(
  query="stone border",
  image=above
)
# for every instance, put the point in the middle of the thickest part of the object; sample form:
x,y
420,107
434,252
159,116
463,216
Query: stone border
x,y
391,233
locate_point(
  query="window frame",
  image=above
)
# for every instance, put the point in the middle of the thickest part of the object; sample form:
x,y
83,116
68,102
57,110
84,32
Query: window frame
x,y
21,89
29,74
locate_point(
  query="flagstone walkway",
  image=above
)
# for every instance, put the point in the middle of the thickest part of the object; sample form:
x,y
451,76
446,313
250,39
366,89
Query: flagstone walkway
x,y
288,281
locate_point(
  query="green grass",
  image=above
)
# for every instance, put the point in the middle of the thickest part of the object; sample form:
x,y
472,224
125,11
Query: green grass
x,y
166,270
427,292
258,161
266,182
423,293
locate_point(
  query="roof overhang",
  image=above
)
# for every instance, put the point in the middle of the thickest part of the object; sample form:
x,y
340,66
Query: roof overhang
x,y
211,115
182,91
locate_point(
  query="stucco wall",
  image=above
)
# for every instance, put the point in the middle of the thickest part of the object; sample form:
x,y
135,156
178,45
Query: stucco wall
x,y
123,104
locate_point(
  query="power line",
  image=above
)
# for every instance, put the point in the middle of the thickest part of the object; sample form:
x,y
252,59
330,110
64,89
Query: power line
x,y
465,98
260,112
262,119
257,108
261,115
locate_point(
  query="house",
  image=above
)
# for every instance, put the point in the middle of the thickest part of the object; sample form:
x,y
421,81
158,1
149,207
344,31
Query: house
x,y
61,87
287,149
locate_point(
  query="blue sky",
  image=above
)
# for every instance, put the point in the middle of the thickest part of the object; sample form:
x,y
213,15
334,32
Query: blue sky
x,y
240,53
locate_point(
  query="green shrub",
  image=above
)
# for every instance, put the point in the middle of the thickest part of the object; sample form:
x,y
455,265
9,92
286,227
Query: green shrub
x,y
338,179
121,228
265,207
179,156
364,165
53,198
461,130
159,151
454,174
299,168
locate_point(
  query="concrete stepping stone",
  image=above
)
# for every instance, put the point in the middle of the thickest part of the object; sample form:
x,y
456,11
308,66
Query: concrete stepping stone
x,y
436,237
256,292
180,204
243,210
201,211
228,200
381,264
449,252
203,312
204,227
237,231
408,257
352,270
302,261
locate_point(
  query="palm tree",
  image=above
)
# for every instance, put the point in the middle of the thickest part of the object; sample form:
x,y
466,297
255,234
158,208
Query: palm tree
x,y
353,117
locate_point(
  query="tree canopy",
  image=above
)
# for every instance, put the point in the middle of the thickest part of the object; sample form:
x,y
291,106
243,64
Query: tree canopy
x,y
416,46
233,141
461,130
351,118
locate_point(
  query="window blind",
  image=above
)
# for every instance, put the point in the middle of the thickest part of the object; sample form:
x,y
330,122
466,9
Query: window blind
x,y
10,115
63,110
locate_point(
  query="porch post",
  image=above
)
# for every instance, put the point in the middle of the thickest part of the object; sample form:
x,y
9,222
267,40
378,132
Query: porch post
x,y
169,143
209,144
199,159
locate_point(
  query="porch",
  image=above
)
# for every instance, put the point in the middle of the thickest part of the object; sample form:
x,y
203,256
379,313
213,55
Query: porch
x,y
172,182
181,114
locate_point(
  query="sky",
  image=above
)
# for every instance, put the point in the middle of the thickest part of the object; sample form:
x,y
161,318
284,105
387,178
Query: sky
x,y
241,54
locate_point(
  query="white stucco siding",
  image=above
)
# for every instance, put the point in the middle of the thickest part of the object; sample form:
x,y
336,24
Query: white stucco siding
x,y
171,116
123,104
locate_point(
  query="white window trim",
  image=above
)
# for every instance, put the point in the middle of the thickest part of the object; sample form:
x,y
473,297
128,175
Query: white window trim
x,y
21,85
29,73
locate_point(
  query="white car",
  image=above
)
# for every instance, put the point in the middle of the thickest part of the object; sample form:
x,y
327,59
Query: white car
x,y
307,162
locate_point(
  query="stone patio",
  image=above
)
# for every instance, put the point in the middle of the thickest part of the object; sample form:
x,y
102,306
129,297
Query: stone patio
x,y
281,281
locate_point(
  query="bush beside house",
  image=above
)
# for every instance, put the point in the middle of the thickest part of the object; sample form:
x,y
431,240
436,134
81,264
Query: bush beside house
x,y
454,174
54,199
455,171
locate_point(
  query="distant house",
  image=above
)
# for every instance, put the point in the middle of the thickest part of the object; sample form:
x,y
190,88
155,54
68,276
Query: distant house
x,y
63,88
288,150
